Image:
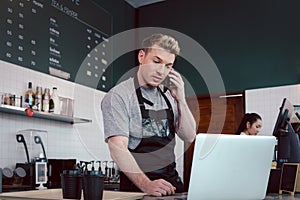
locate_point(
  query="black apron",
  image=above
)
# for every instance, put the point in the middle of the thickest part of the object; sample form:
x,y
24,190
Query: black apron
x,y
155,153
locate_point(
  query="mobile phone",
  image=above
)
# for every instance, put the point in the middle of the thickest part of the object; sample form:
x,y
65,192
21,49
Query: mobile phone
x,y
167,83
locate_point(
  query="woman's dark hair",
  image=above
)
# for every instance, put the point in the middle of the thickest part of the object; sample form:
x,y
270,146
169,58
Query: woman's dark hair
x,y
248,117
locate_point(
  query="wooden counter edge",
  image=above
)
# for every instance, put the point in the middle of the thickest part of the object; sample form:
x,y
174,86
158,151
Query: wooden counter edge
x,y
56,194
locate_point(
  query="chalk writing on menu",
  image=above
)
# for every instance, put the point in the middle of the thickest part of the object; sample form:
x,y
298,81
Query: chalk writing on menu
x,y
58,37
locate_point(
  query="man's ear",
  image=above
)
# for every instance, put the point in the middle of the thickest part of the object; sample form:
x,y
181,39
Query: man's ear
x,y
141,56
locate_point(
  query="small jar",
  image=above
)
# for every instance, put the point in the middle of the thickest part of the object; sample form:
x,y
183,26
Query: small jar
x,y
12,99
7,99
18,101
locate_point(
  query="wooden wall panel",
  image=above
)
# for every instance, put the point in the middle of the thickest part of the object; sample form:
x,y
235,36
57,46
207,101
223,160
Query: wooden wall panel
x,y
201,108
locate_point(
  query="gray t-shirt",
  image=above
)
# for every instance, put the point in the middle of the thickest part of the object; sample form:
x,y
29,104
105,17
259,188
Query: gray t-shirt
x,y
121,111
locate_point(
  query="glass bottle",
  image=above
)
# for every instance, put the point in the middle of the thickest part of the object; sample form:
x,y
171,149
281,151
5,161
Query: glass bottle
x,y
54,104
46,99
29,96
38,98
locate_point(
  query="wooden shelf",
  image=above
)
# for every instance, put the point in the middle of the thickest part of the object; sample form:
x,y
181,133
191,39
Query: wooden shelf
x,y
43,115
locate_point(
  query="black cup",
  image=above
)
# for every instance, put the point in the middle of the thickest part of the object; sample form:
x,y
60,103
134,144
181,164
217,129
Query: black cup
x,y
71,183
93,183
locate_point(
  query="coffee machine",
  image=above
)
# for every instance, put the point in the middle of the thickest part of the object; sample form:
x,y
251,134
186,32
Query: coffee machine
x,y
23,177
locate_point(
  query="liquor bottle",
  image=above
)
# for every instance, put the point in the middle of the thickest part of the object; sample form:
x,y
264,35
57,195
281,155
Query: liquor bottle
x,y
29,96
38,98
54,104
46,99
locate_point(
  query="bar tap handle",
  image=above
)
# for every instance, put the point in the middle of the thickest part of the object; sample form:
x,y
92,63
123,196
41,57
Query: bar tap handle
x,y
106,168
86,165
80,166
113,170
93,166
83,165
99,168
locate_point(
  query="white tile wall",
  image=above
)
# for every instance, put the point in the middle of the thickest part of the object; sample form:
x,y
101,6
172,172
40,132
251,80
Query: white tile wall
x,y
81,141
266,102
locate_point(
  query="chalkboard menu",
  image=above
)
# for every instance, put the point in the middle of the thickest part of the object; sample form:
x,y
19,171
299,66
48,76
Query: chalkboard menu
x,y
289,176
57,37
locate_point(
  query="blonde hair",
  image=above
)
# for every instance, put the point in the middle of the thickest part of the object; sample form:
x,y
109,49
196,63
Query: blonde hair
x,y
164,41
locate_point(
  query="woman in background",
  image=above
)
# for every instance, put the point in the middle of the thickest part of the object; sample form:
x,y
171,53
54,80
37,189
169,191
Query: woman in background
x,y
250,124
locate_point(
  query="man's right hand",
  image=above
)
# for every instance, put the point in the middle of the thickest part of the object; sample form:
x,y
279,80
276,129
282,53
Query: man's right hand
x,y
159,187
126,162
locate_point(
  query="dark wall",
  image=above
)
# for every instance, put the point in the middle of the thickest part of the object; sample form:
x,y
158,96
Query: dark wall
x,y
124,18
254,43
122,13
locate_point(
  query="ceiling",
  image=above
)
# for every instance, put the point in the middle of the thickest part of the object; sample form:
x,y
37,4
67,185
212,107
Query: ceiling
x,y
139,3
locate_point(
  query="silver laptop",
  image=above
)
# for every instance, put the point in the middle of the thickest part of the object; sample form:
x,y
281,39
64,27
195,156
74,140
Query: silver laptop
x,y
230,167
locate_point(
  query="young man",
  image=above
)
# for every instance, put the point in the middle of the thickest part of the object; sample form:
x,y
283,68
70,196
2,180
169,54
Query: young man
x,y
141,119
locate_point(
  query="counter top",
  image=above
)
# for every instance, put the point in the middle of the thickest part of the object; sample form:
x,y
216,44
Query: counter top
x,y
57,194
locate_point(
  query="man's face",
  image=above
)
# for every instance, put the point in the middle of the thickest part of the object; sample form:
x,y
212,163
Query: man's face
x,y
154,66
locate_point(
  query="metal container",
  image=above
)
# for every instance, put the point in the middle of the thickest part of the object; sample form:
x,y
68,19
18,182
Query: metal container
x,y
66,106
